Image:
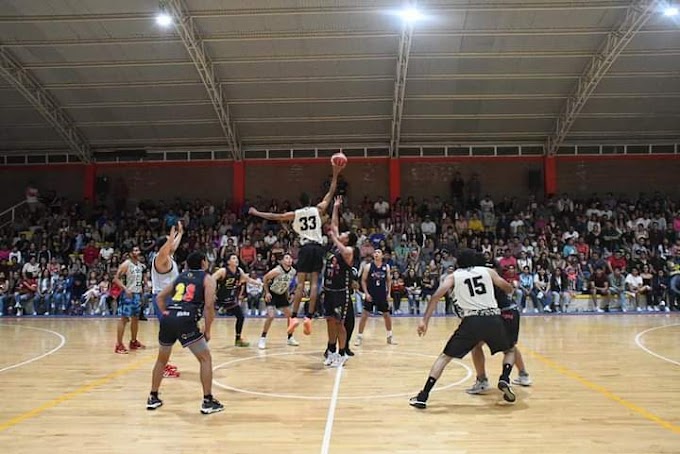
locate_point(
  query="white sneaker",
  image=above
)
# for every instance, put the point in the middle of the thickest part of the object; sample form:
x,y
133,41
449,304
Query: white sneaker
x,y
293,343
262,343
339,361
391,341
329,359
357,343
479,387
523,380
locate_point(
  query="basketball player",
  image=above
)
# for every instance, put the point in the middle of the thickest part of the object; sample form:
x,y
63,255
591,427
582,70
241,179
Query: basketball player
x,y
276,285
130,304
337,281
307,224
164,270
188,296
473,290
229,280
376,282
511,319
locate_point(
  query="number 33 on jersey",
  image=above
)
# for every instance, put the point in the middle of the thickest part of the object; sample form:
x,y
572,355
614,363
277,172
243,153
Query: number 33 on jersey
x,y
307,224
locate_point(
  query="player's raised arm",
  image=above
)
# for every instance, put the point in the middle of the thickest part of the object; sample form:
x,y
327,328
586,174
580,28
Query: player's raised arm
x,y
280,217
335,218
323,205
162,259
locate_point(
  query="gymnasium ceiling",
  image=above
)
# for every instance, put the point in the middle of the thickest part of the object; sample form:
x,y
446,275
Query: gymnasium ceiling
x,y
322,72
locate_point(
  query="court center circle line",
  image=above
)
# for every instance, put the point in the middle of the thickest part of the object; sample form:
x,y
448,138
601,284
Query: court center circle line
x,y
322,398
39,357
638,342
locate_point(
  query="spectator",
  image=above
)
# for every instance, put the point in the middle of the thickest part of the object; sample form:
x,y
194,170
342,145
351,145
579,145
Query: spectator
x,y
559,292
599,287
617,289
25,295
634,287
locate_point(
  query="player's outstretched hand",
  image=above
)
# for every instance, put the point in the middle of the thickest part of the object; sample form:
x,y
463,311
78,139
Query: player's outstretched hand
x,y
252,211
422,328
338,168
338,200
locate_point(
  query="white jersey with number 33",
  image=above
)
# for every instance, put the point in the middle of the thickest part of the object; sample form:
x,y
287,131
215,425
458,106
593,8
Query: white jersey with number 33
x,y
473,289
307,224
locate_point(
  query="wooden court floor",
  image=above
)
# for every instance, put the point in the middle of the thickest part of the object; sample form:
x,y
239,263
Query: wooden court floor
x,y
603,384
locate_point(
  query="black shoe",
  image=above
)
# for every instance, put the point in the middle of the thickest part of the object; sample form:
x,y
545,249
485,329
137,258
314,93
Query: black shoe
x,y
349,352
325,354
508,395
420,401
142,317
211,406
153,402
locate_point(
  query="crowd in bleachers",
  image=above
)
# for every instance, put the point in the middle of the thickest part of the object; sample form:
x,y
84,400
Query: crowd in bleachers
x,y
618,252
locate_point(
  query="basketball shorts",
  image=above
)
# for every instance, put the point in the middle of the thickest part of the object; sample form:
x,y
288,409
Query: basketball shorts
x,y
310,258
511,321
380,304
336,304
156,309
475,329
279,301
130,306
179,326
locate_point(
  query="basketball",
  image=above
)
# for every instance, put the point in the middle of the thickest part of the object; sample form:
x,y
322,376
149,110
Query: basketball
x,y
339,159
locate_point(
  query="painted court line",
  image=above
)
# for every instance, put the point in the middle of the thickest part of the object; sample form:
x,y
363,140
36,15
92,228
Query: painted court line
x,y
325,446
71,395
638,342
605,392
31,360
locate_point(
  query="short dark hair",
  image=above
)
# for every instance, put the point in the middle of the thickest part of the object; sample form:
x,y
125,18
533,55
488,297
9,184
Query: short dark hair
x,y
352,239
304,199
467,258
195,260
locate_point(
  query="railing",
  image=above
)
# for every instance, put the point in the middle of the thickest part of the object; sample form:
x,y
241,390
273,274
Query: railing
x,y
8,216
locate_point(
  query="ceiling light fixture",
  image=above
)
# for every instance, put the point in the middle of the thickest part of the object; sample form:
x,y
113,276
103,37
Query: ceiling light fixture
x,y
411,15
671,11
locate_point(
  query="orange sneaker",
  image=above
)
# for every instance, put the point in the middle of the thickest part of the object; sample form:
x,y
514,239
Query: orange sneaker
x,y
136,345
293,322
121,350
307,326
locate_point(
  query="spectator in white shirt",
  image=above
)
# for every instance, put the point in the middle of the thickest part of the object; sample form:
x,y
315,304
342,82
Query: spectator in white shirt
x,y
428,227
570,234
31,267
381,208
106,252
486,204
270,239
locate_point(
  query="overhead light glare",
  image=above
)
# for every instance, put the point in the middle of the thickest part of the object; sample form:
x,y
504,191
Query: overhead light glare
x,y
164,19
411,15
671,11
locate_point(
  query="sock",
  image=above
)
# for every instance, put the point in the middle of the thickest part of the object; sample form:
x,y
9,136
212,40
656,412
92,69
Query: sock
x,y
360,336
154,394
342,352
389,333
293,315
505,376
238,337
331,347
523,373
264,334
429,384
482,378
207,397
289,336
